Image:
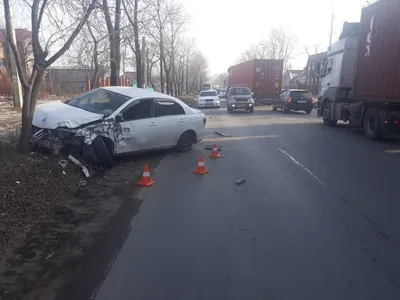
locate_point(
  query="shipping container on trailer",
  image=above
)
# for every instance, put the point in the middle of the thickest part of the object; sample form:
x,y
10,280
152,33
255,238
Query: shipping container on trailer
x,y
378,72
262,76
373,100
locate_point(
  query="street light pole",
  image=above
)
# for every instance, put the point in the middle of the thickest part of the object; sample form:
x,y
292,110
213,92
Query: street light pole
x,y
331,33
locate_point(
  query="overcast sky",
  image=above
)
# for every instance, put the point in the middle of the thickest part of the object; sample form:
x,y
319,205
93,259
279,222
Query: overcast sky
x,y
223,29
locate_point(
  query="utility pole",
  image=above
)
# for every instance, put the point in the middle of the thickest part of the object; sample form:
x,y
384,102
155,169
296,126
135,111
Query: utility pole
x,y
331,33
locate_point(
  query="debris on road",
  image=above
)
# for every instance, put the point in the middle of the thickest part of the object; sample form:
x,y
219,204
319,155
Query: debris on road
x,y
210,147
240,181
78,163
222,134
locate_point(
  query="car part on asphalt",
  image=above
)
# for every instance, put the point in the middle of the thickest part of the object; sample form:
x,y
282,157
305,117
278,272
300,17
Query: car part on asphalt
x,y
201,169
78,163
214,152
222,134
210,147
146,180
240,181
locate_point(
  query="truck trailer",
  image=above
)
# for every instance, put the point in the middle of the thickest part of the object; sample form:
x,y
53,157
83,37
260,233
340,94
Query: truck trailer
x,y
361,78
262,76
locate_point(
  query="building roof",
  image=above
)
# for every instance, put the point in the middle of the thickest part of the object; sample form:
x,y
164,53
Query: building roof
x,y
21,34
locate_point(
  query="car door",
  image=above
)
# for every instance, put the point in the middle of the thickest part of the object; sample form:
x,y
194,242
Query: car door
x,y
171,120
139,127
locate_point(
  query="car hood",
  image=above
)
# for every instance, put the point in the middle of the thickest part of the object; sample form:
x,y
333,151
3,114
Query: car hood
x,y
241,97
57,114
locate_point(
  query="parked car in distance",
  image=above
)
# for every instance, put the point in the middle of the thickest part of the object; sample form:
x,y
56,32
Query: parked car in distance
x,y
294,99
208,99
110,121
240,97
222,93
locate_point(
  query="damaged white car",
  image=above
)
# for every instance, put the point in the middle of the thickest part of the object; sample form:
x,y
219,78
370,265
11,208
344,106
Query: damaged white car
x,y
111,121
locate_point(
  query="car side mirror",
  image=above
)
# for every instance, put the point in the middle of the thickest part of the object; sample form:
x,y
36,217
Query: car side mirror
x,y
119,118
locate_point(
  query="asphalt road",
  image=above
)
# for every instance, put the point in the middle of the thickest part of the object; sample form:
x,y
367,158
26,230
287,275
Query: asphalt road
x,y
317,218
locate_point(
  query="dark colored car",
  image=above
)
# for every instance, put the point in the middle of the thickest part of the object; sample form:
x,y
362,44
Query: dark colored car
x,y
240,97
294,100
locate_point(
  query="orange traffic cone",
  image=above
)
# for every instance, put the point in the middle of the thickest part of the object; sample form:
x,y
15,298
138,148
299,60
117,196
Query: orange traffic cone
x,y
201,169
214,152
146,179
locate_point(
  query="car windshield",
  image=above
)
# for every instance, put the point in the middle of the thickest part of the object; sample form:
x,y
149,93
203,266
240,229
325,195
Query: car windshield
x,y
208,94
99,101
240,91
299,94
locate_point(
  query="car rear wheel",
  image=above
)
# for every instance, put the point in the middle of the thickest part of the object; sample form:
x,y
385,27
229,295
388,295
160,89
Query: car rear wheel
x,y
285,109
186,141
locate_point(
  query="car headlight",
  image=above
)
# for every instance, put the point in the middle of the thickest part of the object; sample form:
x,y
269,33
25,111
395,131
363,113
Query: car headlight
x,y
251,100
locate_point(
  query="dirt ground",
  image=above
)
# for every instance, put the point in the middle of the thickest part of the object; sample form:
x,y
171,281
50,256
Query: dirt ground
x,y
50,216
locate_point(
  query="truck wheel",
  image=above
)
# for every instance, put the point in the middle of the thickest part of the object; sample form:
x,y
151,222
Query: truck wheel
x,y
371,124
326,115
285,108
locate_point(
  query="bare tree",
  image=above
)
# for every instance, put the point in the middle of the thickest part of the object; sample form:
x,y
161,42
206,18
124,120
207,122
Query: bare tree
x,y
280,44
131,11
91,49
64,35
114,35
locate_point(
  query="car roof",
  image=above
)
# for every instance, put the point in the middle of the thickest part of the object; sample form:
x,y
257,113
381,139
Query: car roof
x,y
136,92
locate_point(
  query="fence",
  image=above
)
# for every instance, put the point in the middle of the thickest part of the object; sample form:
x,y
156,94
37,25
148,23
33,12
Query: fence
x,y
105,81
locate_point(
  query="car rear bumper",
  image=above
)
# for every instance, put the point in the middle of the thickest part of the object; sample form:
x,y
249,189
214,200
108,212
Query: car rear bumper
x,y
300,106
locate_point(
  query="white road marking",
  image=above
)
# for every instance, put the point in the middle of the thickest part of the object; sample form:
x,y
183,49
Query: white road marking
x,y
237,138
305,168
393,151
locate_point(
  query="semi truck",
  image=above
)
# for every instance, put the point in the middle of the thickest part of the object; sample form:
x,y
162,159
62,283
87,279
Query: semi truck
x,y
360,81
262,76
